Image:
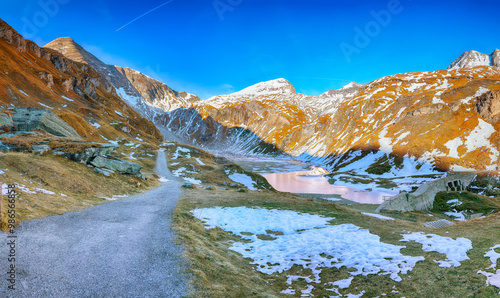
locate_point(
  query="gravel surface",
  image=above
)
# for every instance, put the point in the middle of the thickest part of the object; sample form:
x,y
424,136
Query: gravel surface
x,y
119,249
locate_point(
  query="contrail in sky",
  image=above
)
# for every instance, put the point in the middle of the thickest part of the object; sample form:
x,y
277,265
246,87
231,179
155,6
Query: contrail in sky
x,y
144,14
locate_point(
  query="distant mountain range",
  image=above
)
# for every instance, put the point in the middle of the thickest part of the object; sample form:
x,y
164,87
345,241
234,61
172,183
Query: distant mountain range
x,y
448,118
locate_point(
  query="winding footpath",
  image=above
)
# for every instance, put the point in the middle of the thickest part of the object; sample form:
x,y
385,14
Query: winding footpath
x,y
119,249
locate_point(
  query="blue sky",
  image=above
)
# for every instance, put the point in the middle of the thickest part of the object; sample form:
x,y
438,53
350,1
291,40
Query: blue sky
x,y
211,47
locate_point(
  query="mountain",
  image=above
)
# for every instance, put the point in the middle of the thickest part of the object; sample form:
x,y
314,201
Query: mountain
x,y
447,118
136,88
38,77
474,58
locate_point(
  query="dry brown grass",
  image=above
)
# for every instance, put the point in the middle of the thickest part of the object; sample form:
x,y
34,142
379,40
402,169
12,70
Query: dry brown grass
x,y
81,185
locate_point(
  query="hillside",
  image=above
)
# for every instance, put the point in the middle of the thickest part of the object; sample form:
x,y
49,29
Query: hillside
x,y
37,77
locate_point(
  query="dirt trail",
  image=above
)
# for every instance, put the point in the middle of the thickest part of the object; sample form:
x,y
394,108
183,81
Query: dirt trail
x,y
119,249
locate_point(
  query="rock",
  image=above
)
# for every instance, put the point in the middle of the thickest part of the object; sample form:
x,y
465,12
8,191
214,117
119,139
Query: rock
x,y
29,119
41,149
430,109
241,190
105,172
233,185
488,106
210,187
6,122
117,165
88,154
187,185
141,176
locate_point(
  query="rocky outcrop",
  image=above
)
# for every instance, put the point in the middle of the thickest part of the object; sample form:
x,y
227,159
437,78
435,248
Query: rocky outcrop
x,y
6,123
88,154
488,106
116,165
31,119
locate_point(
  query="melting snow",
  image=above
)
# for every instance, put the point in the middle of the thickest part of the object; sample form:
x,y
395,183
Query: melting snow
x,y
453,147
492,278
316,246
455,250
200,162
377,216
69,99
179,152
243,179
163,179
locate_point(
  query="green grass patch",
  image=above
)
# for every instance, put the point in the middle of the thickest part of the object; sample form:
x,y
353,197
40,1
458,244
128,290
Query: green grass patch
x,y
469,203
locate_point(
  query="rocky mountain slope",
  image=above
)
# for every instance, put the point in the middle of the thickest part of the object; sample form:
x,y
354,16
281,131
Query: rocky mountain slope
x,y
447,118
474,58
142,92
38,77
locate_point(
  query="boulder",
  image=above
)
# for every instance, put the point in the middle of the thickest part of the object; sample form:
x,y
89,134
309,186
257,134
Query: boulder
x,y
29,119
488,106
117,165
89,154
6,122
41,149
188,185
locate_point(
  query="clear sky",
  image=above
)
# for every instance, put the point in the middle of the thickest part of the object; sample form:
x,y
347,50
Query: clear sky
x,y
211,47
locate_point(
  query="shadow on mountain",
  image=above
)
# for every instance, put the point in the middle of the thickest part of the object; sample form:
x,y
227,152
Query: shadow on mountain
x,y
188,126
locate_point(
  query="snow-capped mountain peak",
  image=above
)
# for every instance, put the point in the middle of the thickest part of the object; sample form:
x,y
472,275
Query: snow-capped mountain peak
x,y
272,87
475,58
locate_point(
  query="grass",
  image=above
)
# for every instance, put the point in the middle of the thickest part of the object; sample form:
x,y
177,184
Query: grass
x,y
220,272
81,186
470,203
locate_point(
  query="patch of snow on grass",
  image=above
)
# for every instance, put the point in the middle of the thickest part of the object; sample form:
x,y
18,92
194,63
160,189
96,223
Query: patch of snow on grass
x,y
377,216
191,180
385,143
45,191
460,216
96,125
2,172
479,92
479,136
181,151
455,250
68,99
163,179
243,179
44,105
200,162
453,146
492,278
493,255
317,245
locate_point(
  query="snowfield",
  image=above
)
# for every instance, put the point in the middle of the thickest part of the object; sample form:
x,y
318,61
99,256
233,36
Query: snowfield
x,y
306,240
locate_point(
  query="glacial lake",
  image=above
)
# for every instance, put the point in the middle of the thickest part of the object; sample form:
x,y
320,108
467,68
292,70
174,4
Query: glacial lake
x,y
296,177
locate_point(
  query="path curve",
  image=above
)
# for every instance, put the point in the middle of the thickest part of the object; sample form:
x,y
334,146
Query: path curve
x,y
119,249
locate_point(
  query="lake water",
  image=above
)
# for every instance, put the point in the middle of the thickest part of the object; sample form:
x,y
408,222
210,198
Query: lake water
x,y
288,175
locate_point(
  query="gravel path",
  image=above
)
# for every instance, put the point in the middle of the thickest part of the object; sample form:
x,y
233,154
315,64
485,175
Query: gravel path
x,y
118,249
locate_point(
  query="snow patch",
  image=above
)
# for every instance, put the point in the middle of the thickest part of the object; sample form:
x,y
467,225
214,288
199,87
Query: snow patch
x,y
455,250
317,245
377,216
243,179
